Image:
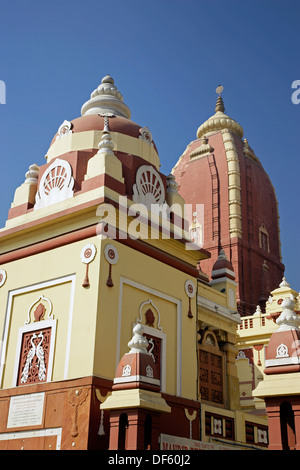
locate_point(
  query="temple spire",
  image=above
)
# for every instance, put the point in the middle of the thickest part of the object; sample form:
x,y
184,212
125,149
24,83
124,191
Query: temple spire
x,y
219,104
219,120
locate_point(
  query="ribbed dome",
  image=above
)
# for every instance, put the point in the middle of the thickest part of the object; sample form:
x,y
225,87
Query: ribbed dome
x,y
94,122
106,104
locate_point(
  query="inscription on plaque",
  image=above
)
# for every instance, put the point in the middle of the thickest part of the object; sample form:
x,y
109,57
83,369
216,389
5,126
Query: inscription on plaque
x,y
26,410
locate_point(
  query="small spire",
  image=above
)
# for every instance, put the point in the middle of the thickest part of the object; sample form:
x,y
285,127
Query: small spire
x,y
106,98
106,145
258,310
108,79
32,174
222,255
284,283
220,104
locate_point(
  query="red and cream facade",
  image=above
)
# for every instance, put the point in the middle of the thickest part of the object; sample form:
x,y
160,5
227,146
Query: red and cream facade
x,y
281,384
221,171
79,270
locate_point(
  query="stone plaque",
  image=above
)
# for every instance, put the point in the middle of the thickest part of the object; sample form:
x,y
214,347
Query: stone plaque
x,y
26,410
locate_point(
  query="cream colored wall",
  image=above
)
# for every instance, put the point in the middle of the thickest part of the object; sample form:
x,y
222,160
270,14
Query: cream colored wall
x,y
138,278
61,274
103,317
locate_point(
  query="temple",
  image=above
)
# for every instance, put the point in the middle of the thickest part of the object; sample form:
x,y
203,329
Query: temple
x,y
120,329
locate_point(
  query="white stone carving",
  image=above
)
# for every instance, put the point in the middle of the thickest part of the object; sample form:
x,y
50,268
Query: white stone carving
x,y
29,358
126,371
138,343
241,355
146,135
218,426
284,283
106,99
64,129
3,277
151,343
148,188
56,184
262,436
282,351
32,174
41,358
88,253
39,352
149,372
288,319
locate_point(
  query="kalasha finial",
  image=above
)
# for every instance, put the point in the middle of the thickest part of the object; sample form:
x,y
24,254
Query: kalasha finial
x,y
138,343
219,89
219,105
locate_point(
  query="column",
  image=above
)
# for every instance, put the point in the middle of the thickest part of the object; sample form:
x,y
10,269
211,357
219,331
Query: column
x,y
135,431
273,411
296,409
114,430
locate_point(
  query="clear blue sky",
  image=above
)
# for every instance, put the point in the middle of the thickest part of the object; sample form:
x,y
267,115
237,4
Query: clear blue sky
x,y
167,57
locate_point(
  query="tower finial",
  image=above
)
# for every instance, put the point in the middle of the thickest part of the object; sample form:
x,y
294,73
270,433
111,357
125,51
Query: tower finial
x,y
219,89
219,105
106,98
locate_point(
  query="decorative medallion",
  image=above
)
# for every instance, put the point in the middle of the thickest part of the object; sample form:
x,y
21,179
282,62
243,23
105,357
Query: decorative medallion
x,y
56,184
148,188
87,255
149,371
3,277
282,351
126,370
112,257
190,291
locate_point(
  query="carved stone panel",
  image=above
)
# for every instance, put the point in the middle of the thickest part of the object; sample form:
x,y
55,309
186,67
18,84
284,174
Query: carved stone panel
x,y
34,356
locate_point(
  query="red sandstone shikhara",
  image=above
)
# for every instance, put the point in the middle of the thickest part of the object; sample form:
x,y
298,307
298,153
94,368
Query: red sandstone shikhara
x,y
220,170
99,247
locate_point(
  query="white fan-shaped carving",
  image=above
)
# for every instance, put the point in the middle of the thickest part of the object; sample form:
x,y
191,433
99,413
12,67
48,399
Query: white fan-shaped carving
x,y
56,184
148,188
